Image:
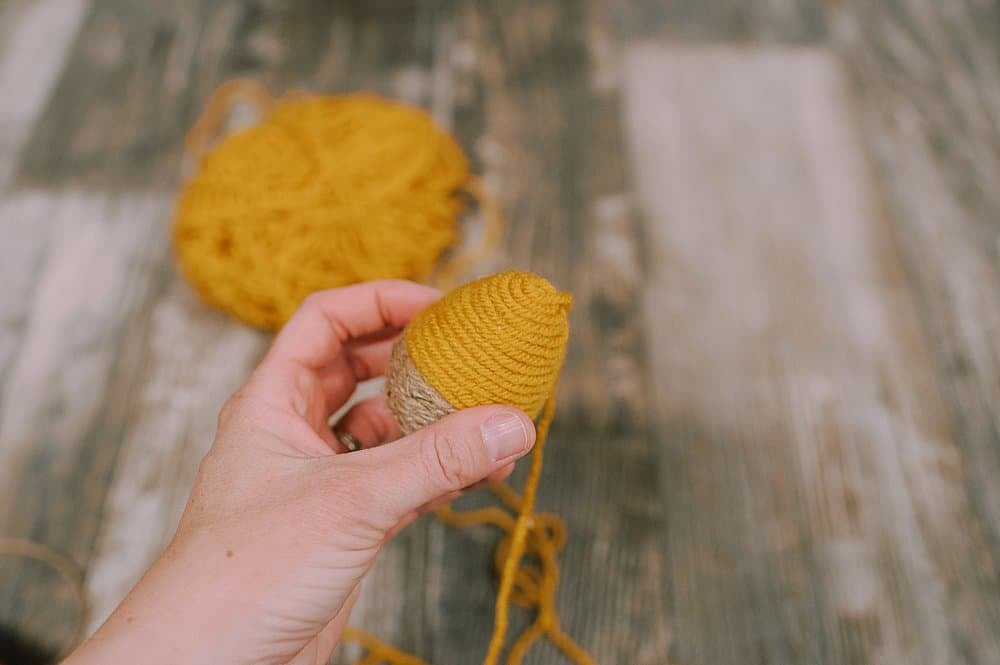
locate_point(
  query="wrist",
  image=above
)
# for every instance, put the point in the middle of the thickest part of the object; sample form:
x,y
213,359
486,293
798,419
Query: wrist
x,y
184,609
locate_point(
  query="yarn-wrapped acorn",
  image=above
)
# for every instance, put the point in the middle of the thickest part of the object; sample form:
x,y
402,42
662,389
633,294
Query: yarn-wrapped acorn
x,y
497,340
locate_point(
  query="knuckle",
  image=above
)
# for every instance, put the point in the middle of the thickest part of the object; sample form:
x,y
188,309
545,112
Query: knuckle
x,y
312,304
447,459
311,301
231,407
241,407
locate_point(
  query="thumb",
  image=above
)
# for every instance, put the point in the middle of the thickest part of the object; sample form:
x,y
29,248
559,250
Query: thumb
x,y
448,455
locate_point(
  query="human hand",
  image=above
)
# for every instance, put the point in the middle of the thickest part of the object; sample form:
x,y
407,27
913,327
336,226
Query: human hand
x,y
280,527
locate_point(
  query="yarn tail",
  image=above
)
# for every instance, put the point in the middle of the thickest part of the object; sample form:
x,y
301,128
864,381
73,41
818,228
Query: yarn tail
x,y
492,216
378,651
524,521
206,129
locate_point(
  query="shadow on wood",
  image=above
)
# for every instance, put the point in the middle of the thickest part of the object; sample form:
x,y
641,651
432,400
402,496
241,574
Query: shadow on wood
x,y
17,649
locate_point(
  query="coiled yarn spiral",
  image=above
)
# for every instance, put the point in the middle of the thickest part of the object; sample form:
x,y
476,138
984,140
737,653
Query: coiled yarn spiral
x,y
497,340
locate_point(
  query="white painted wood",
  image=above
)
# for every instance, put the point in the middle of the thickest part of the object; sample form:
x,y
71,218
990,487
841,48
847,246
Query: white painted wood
x,y
931,113
27,221
93,271
194,359
69,351
35,38
816,494
34,42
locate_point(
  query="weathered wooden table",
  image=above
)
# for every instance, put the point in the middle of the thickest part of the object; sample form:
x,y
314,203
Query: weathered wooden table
x,y
779,434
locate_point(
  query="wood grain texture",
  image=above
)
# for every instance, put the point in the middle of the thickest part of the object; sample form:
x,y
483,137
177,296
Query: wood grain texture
x,y
928,79
34,41
192,361
721,21
67,393
818,500
779,429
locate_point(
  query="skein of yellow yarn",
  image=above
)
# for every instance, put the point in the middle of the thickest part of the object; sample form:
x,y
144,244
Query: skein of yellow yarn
x,y
325,191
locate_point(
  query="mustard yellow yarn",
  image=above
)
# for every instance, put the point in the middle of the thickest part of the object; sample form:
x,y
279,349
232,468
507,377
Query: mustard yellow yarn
x,y
497,340
323,192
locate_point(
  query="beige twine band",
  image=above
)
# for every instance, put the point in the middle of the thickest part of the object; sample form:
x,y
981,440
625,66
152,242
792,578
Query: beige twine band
x,y
413,403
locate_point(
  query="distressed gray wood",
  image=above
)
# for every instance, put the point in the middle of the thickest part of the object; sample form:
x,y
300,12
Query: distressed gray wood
x,y
28,71
818,500
778,429
133,84
928,79
67,392
722,21
34,40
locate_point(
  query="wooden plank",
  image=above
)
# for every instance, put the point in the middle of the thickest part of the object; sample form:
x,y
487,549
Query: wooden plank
x,y
34,41
166,59
140,71
536,106
818,500
928,79
68,390
721,21
33,47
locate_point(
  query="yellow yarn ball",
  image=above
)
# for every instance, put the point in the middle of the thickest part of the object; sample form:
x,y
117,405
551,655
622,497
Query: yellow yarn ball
x,y
497,340
324,192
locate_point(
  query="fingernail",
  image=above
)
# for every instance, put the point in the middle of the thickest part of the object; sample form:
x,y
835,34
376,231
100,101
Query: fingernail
x,y
504,435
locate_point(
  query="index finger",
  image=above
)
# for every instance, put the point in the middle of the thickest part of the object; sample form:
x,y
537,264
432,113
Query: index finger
x,y
327,320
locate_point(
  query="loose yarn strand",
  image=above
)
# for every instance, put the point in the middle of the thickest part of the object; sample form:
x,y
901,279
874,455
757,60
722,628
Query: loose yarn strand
x,y
492,216
206,129
377,650
66,568
524,521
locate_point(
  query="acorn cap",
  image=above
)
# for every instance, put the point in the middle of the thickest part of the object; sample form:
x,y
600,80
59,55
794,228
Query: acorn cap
x,y
497,340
